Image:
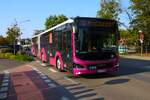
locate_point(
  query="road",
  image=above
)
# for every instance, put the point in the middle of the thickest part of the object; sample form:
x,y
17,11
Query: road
x,y
131,82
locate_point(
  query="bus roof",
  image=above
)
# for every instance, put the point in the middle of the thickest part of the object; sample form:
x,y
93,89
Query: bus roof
x,y
48,30
105,19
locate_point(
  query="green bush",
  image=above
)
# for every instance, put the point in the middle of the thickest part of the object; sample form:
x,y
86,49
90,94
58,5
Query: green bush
x,y
24,58
2,55
17,57
13,57
7,55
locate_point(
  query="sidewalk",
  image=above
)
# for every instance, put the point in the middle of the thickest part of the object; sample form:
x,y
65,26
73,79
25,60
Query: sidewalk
x,y
135,57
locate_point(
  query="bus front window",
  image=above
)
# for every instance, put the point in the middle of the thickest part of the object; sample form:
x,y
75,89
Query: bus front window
x,y
95,40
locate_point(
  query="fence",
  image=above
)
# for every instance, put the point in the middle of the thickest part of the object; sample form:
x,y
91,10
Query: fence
x,y
145,48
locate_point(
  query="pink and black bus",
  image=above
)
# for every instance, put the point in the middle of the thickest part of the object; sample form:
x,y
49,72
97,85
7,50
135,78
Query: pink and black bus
x,y
34,48
82,45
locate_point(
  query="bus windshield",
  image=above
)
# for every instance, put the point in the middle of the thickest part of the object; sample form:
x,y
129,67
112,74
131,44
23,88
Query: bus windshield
x,y
95,43
94,40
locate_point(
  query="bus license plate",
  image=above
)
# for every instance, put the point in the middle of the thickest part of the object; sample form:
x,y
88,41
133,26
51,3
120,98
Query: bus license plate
x,y
101,71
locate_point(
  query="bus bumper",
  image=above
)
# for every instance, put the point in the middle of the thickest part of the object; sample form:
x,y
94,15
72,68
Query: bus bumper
x,y
84,71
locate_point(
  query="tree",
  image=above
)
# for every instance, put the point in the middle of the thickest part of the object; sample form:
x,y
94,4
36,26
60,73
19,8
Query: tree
x,y
54,20
3,40
141,20
129,39
13,34
109,9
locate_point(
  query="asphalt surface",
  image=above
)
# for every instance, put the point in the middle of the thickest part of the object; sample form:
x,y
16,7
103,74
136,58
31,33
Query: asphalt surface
x,y
131,82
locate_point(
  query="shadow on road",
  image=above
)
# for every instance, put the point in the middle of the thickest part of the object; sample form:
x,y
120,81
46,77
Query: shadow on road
x,y
116,81
133,66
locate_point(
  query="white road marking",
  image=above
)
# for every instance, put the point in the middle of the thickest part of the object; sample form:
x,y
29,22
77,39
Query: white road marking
x,y
64,98
77,90
41,74
6,72
43,64
5,80
52,85
6,77
70,80
85,93
53,70
148,67
4,84
44,77
4,89
74,86
3,95
47,80
34,68
38,61
31,66
92,97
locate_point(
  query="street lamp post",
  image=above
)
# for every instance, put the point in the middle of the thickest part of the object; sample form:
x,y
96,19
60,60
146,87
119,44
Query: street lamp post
x,y
141,38
19,37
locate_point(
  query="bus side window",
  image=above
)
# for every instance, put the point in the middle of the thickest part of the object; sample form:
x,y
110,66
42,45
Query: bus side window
x,y
69,39
64,41
50,38
59,36
54,39
68,45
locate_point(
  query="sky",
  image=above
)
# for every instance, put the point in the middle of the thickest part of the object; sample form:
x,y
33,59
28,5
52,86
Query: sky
x,y
31,14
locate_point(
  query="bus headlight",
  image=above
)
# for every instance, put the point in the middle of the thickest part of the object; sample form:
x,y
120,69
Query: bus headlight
x,y
79,66
112,56
117,65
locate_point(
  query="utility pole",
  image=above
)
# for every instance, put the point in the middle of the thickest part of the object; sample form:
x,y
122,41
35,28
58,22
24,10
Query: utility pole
x,y
141,38
18,37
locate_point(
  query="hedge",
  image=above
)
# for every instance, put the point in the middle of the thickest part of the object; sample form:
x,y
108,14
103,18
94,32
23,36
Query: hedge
x,y
17,57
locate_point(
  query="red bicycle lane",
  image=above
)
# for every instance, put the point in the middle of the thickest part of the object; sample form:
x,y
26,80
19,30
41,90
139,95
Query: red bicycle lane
x,y
26,83
22,87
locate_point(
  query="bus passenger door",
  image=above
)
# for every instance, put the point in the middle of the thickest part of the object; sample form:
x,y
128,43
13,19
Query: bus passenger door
x,y
66,46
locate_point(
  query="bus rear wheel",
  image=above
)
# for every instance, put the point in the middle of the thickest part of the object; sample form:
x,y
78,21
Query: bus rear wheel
x,y
42,58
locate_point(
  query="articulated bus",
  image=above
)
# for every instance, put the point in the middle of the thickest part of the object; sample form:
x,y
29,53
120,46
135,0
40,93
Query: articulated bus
x,y
34,48
82,45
